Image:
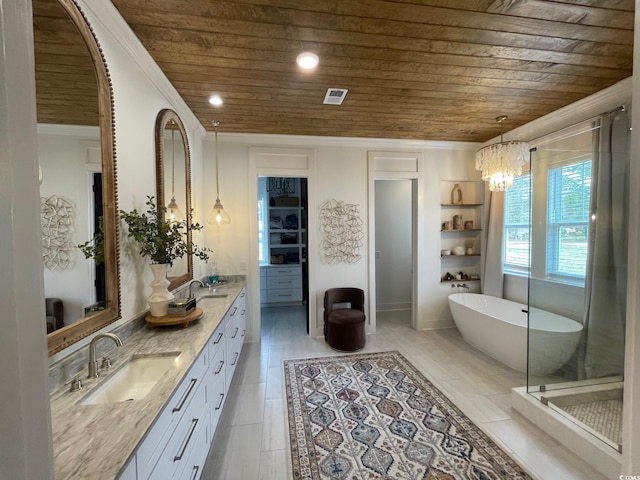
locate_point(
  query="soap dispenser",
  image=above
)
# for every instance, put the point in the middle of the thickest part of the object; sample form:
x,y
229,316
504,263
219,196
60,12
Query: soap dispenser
x,y
213,276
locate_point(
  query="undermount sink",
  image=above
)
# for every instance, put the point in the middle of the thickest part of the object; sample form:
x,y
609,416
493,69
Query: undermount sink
x,y
133,381
214,295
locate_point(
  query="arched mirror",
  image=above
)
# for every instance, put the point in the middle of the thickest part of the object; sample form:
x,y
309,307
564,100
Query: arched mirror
x,y
173,189
78,182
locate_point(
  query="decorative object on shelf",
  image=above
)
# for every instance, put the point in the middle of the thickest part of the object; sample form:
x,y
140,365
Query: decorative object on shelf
x,y
291,222
468,225
218,215
284,201
162,241
501,162
469,251
282,186
445,252
56,220
446,225
456,194
458,250
342,233
457,222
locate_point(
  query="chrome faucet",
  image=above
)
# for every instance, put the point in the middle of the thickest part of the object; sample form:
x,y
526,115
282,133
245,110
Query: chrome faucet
x,y
191,283
94,371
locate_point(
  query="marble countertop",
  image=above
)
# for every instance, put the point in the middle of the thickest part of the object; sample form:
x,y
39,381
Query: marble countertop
x,y
95,441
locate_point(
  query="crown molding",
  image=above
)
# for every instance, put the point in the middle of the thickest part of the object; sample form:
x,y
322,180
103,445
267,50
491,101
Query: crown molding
x,y
69,130
589,107
255,139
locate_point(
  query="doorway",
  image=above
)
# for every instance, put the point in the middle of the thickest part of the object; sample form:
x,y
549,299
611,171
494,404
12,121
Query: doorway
x,y
394,252
282,244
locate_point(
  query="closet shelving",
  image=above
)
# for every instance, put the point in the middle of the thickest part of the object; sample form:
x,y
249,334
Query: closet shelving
x,y
282,280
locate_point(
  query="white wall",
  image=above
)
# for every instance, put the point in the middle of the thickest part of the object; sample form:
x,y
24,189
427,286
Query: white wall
x,y
341,174
65,154
393,244
25,421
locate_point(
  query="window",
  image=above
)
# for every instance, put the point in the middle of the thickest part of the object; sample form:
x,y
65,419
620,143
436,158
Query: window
x,y
567,223
517,219
568,198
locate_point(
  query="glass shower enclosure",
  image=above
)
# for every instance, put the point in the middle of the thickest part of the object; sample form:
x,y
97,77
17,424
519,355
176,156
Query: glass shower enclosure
x,y
578,273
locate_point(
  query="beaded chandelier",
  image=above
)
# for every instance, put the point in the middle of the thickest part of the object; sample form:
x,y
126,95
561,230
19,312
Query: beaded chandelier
x,y
501,162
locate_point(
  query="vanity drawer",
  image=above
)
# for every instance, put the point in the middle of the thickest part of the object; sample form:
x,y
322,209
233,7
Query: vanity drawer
x,y
153,445
192,468
284,282
284,271
184,438
216,393
284,295
216,342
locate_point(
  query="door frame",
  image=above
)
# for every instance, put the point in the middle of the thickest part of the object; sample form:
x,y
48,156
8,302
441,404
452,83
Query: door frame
x,y
397,166
280,162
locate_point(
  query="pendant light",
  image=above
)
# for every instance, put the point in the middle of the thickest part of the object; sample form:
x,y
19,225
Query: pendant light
x,y
217,215
501,162
172,208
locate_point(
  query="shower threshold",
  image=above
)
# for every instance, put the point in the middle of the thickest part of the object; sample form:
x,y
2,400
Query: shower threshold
x,y
595,439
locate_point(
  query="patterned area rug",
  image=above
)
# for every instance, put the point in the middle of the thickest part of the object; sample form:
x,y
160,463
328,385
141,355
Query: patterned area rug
x,y
374,416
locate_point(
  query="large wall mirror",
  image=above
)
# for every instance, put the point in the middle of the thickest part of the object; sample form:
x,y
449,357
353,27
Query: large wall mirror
x,y
173,189
78,179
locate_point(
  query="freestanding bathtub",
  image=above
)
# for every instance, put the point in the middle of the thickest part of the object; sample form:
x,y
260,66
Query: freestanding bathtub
x,y
498,327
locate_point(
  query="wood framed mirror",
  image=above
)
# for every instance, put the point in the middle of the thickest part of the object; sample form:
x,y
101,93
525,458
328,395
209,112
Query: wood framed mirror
x,y
173,184
77,157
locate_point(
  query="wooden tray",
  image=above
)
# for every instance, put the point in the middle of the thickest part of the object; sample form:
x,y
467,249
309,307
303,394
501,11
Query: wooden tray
x,y
171,320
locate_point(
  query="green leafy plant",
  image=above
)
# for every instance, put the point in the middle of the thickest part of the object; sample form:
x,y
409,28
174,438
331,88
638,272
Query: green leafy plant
x,y
94,248
159,239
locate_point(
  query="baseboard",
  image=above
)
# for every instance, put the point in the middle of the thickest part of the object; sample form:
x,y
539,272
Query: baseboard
x,y
436,324
393,307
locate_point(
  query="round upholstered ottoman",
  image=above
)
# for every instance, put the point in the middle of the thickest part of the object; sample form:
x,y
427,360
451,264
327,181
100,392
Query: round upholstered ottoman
x,y
345,329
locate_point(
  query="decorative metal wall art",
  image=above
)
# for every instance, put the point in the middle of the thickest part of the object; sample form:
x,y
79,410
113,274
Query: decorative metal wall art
x,y
56,216
342,232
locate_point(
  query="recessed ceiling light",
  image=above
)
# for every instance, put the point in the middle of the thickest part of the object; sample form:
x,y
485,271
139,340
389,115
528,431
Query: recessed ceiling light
x,y
215,100
307,60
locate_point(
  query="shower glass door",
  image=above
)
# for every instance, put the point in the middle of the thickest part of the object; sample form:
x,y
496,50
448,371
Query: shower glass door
x,y
578,274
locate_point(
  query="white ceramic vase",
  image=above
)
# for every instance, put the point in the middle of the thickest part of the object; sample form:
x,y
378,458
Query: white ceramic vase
x,y
160,297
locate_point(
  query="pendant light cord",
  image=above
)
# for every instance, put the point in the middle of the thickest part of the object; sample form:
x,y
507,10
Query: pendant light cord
x,y
215,149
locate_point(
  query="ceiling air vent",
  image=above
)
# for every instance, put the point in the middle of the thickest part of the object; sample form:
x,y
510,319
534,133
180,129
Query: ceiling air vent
x,y
335,96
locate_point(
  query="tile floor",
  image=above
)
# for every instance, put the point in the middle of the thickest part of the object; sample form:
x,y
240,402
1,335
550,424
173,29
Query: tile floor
x,y
251,439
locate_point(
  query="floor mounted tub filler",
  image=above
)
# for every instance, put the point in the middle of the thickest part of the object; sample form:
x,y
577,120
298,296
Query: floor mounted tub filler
x,y
498,327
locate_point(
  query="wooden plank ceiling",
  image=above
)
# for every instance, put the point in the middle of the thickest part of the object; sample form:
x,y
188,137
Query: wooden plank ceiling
x,y
66,87
415,69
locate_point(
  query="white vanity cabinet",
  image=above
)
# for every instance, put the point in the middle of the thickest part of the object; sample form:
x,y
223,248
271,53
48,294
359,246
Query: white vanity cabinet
x,y
177,444
235,333
216,384
156,455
